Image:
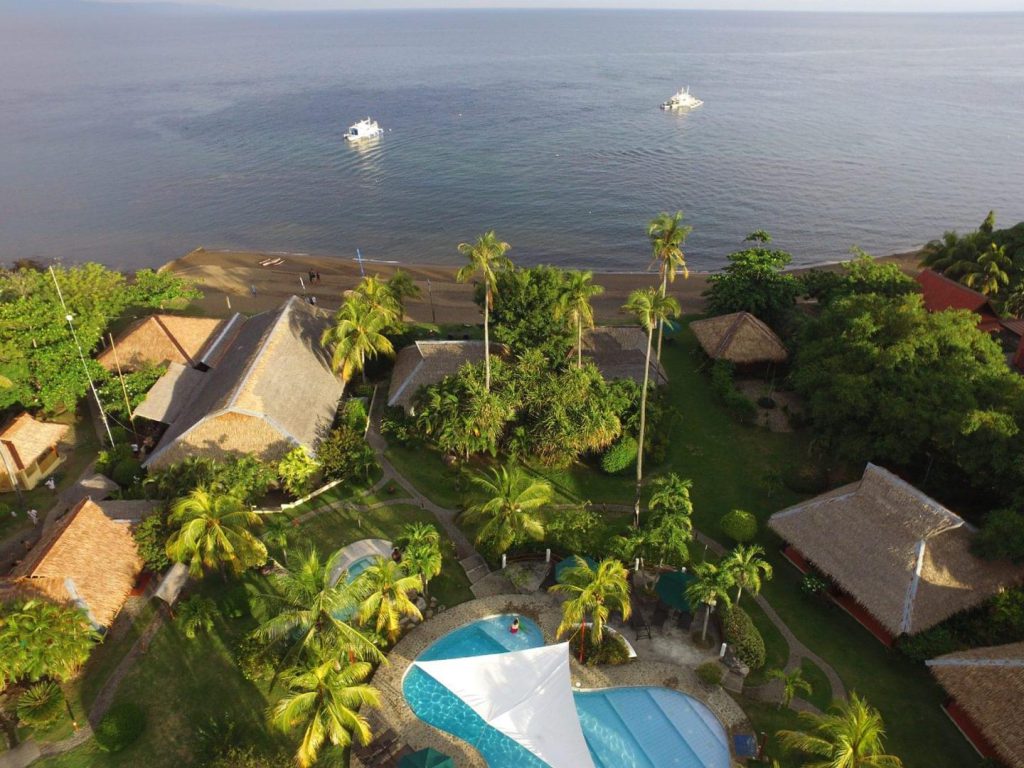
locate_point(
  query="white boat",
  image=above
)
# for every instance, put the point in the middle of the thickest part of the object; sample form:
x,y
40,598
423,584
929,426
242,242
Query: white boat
x,y
683,100
364,129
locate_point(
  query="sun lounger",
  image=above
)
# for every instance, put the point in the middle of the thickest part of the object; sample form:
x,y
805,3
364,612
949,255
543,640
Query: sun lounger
x,y
638,623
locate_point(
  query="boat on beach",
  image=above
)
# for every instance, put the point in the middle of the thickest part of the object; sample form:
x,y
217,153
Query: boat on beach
x,y
364,129
683,100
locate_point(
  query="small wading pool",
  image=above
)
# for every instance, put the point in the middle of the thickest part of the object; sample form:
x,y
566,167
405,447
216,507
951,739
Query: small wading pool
x,y
643,727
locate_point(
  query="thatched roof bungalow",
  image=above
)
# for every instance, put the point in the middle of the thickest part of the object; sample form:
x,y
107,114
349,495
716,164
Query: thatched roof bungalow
x,y
428,362
159,339
986,689
902,557
272,389
941,293
28,451
739,338
88,558
619,353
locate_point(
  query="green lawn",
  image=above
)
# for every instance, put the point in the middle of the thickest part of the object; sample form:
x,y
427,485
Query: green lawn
x,y
821,689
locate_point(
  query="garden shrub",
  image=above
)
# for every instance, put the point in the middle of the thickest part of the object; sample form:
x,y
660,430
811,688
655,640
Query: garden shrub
x,y
296,471
812,584
120,727
151,541
247,757
735,401
612,650
126,472
345,455
396,424
742,636
710,673
738,525
40,704
255,661
620,456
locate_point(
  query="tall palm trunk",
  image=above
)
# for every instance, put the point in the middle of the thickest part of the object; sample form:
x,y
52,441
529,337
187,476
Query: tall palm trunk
x,y
707,618
487,339
661,322
579,342
739,593
643,426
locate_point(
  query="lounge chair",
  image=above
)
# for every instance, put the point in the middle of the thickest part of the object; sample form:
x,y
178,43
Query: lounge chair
x,y
638,623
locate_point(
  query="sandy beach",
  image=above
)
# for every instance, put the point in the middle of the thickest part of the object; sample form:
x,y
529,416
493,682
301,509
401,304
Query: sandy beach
x,y
237,281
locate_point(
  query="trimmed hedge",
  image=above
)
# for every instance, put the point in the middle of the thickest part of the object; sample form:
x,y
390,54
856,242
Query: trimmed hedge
x,y
620,456
613,649
739,526
742,636
120,727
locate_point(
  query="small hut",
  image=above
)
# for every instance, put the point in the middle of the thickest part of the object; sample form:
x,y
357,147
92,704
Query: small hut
x,y
739,338
986,688
28,452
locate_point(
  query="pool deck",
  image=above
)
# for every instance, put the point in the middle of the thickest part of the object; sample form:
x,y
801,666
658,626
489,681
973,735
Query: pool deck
x,y
546,611
357,550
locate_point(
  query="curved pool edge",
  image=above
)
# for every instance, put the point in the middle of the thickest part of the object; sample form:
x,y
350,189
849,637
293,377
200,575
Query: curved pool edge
x,y
396,714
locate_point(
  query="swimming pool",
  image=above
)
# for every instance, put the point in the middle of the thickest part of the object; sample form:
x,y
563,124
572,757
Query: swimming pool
x,y
360,565
642,727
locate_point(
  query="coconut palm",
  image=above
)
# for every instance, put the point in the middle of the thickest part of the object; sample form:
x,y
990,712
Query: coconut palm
x,y
649,308
378,294
308,600
195,615
849,735
43,639
593,594
746,567
421,551
667,235
507,505
990,272
486,259
575,307
387,588
793,683
671,493
1014,304
402,287
358,334
214,531
710,588
324,700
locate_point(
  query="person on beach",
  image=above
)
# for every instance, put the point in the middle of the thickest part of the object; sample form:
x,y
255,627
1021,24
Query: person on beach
x,y
312,276
317,277
252,289
514,629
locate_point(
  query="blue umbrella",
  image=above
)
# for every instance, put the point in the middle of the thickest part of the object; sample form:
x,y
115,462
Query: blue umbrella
x,y
570,562
426,758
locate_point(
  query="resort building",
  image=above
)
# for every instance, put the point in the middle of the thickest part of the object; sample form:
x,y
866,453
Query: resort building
x,y
619,353
28,452
986,688
270,388
428,362
160,339
88,558
899,560
741,339
941,293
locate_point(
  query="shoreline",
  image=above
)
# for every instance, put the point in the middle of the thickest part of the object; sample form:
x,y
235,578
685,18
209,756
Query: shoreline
x,y
235,281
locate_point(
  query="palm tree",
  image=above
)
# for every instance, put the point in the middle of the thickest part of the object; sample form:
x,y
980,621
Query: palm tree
x,y
43,639
308,599
746,567
214,531
387,587
667,236
357,334
1014,304
575,306
40,704
402,287
486,258
709,588
508,503
195,615
634,544
991,271
649,308
379,295
421,551
672,494
323,700
848,736
594,594
793,683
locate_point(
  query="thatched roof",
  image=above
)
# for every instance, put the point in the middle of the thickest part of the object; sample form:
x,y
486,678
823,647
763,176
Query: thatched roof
x,y
619,352
160,339
988,684
172,392
739,338
272,383
427,362
897,552
24,439
88,558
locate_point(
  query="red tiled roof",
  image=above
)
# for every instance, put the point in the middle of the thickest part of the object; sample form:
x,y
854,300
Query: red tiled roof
x,y
940,293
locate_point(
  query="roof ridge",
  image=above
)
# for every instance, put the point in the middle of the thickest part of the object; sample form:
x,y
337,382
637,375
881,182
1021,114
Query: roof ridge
x,y
915,580
268,334
730,334
974,662
954,520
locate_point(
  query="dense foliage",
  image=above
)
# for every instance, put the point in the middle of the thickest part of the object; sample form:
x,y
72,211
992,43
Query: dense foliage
x,y
620,456
988,260
136,384
743,638
245,478
610,651
998,621
862,274
526,305
755,282
738,525
296,471
344,455
1002,536
120,727
42,640
151,541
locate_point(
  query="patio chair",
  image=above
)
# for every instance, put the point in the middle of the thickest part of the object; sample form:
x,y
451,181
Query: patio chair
x,y
638,623
660,617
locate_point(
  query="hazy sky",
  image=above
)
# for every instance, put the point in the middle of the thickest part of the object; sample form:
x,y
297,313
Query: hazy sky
x,y
766,5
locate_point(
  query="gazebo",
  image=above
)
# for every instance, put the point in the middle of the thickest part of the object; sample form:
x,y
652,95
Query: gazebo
x,y
739,338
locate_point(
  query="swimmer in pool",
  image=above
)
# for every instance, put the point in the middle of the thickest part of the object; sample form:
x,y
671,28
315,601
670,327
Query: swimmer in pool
x,y
515,625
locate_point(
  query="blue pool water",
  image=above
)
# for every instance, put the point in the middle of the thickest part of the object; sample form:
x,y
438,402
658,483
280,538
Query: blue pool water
x,y
359,566
644,727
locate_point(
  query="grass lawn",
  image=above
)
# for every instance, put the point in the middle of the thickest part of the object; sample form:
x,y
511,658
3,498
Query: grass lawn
x,y
821,690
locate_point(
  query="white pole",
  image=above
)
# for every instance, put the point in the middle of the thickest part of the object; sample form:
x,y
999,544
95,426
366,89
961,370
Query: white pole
x,y
503,562
636,566
721,653
547,555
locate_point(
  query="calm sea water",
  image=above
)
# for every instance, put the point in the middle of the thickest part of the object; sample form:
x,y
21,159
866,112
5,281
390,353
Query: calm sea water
x,y
132,137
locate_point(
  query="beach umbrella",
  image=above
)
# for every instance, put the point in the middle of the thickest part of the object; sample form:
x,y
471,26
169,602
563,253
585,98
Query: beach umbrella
x,y
671,588
570,562
426,758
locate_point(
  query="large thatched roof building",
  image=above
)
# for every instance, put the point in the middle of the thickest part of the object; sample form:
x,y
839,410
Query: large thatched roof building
x,y
88,558
428,362
739,338
158,339
986,688
619,353
28,451
271,389
901,556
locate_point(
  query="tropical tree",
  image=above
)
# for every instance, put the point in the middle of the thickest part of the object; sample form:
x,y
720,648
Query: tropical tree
x,y
746,566
324,700
421,551
991,272
849,735
634,544
40,704
710,588
667,235
507,506
755,281
214,531
593,594
576,308
308,599
41,639
1014,304
649,308
402,287
672,494
671,533
276,529
379,295
195,615
486,258
387,587
296,470
793,683
358,334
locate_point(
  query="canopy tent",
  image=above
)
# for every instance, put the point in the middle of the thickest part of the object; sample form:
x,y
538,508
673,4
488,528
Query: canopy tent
x,y
570,562
426,758
526,695
671,588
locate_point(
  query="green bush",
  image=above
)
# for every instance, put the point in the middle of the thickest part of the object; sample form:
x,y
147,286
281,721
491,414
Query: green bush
x,y
812,584
612,650
151,541
620,456
344,455
40,704
1001,537
739,526
120,727
710,673
735,401
247,757
126,472
742,636
255,661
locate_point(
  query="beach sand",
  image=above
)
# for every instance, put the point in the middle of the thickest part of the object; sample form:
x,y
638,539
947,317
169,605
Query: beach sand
x,y
235,281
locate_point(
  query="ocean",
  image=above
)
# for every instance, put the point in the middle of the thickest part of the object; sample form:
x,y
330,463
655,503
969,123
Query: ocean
x,y
132,136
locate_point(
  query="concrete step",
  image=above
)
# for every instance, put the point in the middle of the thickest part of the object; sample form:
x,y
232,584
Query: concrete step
x,y
471,562
478,573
